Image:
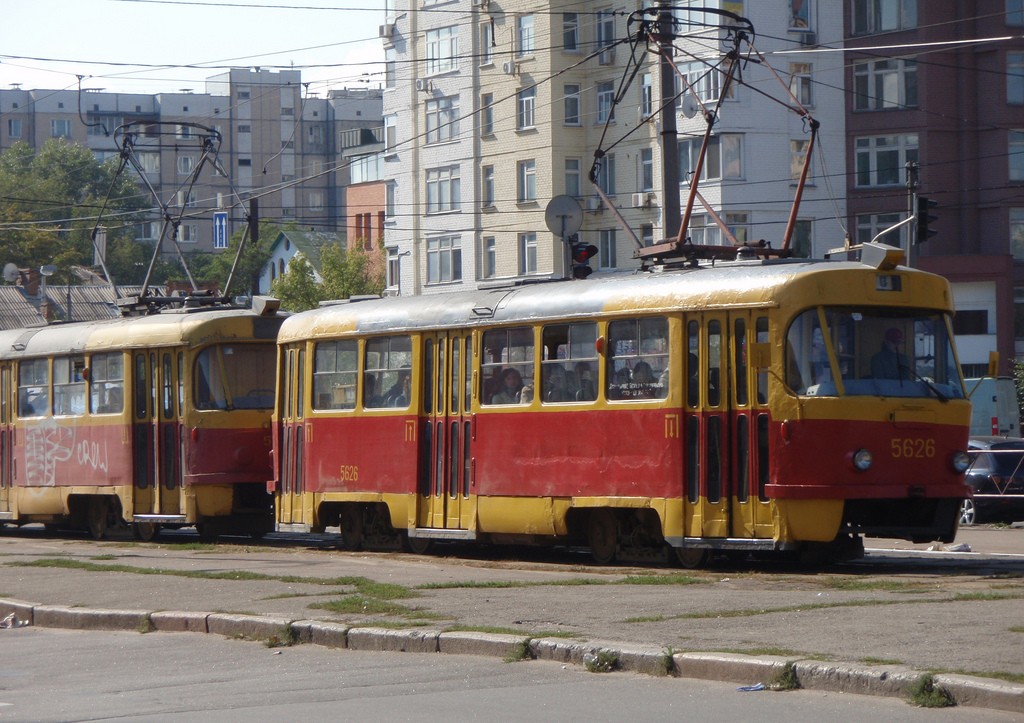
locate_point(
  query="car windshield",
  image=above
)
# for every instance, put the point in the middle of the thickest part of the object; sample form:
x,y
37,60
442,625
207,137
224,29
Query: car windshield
x,y
871,352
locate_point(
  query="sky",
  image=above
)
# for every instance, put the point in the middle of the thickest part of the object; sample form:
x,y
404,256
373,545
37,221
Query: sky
x,y
142,46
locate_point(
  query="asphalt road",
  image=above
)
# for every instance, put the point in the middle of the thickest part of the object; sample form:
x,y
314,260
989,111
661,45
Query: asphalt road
x,y
61,675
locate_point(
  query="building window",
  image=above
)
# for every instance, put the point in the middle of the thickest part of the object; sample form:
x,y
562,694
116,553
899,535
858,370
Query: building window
x,y
799,15
572,177
390,198
606,248
1015,155
1015,12
606,174
526,181
390,132
188,233
14,127
883,84
703,80
797,157
646,95
800,83
245,163
571,103
704,231
1015,78
487,114
487,186
488,257
442,120
647,234
394,269
878,16
606,36
527,253
605,98
60,128
524,35
724,157
442,50
870,225
801,241
316,201
738,225
526,101
390,77
185,165
646,169
486,43
244,128
443,189
315,135
1017,233
882,160
187,199
570,32
444,259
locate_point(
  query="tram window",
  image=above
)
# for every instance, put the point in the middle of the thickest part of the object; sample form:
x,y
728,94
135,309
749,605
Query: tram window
x,y
761,330
69,385
693,365
388,362
739,340
106,383
570,356
714,362
33,388
507,366
234,376
335,366
637,359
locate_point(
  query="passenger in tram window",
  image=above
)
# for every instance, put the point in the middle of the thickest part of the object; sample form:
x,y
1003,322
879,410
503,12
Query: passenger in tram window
x,y
889,363
526,395
114,403
370,396
587,392
399,394
556,386
511,386
693,386
643,381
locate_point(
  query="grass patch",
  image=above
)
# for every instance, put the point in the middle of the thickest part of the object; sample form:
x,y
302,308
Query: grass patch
x,y
521,651
362,605
987,596
104,557
661,580
786,680
925,694
858,585
870,660
1017,629
603,661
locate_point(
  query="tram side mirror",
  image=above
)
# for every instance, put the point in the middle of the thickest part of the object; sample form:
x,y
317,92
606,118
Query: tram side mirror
x,y
761,355
993,364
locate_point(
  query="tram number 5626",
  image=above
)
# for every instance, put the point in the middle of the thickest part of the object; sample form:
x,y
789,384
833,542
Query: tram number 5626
x,y
912,448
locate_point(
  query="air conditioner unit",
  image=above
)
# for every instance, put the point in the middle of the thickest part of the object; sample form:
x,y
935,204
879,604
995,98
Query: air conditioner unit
x,y
510,67
423,85
641,200
386,30
606,57
481,3
809,39
593,203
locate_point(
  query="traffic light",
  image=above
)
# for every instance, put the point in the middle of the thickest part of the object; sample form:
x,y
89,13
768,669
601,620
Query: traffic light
x,y
922,218
581,255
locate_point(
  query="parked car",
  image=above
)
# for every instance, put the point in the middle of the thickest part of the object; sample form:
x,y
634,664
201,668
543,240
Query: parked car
x,y
996,479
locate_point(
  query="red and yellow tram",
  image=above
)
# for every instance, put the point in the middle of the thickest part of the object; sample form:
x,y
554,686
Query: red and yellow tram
x,y
159,420
735,407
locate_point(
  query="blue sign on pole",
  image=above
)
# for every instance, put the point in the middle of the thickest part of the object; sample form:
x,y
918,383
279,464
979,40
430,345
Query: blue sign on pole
x,y
220,229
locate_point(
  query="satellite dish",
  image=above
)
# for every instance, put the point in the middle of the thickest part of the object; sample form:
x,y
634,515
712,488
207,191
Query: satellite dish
x,y
48,270
10,273
563,216
690,106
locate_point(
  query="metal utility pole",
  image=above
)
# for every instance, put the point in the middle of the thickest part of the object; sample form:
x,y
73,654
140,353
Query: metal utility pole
x,y
669,146
911,205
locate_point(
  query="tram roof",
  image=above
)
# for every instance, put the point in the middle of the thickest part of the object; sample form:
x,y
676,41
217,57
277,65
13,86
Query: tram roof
x,y
727,285
187,327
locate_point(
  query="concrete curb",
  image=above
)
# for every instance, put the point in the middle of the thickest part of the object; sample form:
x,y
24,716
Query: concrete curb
x,y
892,681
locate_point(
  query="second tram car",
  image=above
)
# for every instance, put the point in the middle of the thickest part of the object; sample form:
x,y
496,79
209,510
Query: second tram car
x,y
759,405
150,421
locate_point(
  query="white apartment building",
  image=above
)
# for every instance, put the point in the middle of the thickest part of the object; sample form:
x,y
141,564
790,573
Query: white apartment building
x,y
492,109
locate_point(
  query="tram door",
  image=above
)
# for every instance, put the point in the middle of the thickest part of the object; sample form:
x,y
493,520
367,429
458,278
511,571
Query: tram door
x,y
445,460
6,439
168,433
750,515
290,423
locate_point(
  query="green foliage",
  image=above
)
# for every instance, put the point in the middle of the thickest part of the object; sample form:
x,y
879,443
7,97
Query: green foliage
x,y
1018,382
343,273
926,694
50,200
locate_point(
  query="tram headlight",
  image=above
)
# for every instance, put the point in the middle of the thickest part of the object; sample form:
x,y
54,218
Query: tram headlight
x,y
862,460
961,462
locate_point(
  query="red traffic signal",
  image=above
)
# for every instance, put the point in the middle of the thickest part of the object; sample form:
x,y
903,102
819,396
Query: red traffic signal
x,y
582,253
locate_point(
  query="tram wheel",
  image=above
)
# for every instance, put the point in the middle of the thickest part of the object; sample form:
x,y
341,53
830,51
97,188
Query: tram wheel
x,y
692,558
352,527
207,531
99,507
145,531
418,545
968,512
603,536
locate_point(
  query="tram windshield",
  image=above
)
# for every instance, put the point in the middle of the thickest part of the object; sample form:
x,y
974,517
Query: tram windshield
x,y
234,376
872,352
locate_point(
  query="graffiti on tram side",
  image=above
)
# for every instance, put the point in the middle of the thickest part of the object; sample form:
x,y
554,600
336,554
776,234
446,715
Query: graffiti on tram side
x,y
48,444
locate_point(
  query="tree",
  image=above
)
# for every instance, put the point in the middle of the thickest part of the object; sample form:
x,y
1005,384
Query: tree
x,y
50,202
217,266
344,273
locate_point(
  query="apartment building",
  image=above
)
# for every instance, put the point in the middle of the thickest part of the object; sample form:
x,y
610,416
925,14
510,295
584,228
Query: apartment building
x,y
492,109
273,143
941,85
